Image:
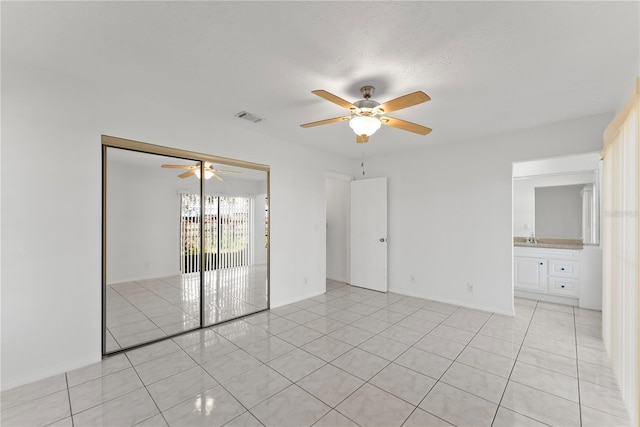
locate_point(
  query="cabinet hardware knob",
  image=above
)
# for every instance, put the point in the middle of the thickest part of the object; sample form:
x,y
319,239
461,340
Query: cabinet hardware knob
x,y
562,269
541,264
382,239
562,286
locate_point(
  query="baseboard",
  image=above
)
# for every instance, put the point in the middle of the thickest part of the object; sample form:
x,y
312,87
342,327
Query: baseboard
x,y
480,307
546,297
295,299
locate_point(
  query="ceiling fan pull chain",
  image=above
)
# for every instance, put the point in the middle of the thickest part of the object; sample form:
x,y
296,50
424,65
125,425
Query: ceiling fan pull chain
x,y
362,162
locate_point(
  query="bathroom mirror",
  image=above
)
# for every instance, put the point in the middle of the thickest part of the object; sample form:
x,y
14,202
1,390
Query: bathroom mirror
x,y
558,211
557,198
185,241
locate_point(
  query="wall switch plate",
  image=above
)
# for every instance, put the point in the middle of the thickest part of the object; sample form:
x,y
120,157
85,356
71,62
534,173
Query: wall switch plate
x,y
470,288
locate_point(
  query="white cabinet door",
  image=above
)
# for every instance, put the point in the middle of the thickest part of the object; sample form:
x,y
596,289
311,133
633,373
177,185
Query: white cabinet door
x,y
530,274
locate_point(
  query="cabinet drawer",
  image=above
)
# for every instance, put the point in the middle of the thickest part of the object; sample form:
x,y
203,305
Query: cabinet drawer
x,y
560,286
562,268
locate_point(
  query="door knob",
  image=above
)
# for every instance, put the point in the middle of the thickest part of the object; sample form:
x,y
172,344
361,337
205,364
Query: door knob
x,y
382,239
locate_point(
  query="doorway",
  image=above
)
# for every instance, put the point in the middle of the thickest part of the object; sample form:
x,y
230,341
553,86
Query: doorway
x,y
338,230
556,208
356,231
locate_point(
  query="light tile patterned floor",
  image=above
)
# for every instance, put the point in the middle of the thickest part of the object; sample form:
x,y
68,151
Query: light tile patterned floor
x,y
346,358
146,310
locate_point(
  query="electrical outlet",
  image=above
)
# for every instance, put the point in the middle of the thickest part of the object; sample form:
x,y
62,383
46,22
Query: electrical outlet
x,y
306,280
412,278
470,288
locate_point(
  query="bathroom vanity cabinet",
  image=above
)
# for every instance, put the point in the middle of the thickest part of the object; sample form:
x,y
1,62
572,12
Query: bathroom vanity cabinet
x,y
548,271
564,276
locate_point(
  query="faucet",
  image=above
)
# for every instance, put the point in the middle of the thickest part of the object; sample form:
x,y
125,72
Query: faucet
x,y
531,238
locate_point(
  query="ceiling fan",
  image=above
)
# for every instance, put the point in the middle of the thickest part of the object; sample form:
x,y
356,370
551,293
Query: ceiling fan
x,y
367,115
209,170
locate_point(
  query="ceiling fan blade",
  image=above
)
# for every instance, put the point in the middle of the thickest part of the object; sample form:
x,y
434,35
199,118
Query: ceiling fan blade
x,y
333,98
326,122
187,174
405,101
216,176
177,166
361,139
405,125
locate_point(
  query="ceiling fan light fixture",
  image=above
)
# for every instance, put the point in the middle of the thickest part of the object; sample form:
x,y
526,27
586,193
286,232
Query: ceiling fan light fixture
x,y
364,125
366,114
207,174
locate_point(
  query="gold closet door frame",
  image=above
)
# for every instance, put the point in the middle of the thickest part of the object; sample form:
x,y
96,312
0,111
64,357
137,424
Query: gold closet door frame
x,y
145,147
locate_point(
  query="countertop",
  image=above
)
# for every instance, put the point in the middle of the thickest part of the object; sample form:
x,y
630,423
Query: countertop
x,y
548,243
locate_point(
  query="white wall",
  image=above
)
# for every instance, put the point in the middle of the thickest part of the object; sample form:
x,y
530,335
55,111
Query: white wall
x,y
558,165
338,211
524,208
51,208
450,209
591,277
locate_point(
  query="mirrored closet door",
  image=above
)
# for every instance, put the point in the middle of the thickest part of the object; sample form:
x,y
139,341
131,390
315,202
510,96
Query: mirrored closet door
x,y
236,241
178,225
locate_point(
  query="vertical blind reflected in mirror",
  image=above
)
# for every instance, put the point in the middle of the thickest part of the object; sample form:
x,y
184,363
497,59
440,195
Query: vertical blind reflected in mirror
x,y
235,244
162,249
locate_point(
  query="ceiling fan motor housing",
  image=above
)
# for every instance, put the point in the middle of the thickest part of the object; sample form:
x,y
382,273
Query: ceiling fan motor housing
x,y
367,107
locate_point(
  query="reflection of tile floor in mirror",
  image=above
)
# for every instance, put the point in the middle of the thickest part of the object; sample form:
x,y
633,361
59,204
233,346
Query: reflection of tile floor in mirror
x,y
346,358
146,310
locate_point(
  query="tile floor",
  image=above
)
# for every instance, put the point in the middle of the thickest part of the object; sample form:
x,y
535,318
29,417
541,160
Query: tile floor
x,y
145,310
346,358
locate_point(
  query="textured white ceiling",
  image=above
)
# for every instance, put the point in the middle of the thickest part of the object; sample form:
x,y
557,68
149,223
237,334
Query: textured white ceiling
x,y
489,67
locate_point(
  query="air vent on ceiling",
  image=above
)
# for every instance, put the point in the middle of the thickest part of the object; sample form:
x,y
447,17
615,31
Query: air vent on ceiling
x,y
248,116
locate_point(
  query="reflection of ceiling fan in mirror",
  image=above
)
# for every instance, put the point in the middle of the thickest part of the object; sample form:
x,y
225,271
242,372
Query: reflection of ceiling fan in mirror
x,y
209,170
367,115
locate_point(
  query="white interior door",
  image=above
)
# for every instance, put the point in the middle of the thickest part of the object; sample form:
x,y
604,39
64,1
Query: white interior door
x,y
369,233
